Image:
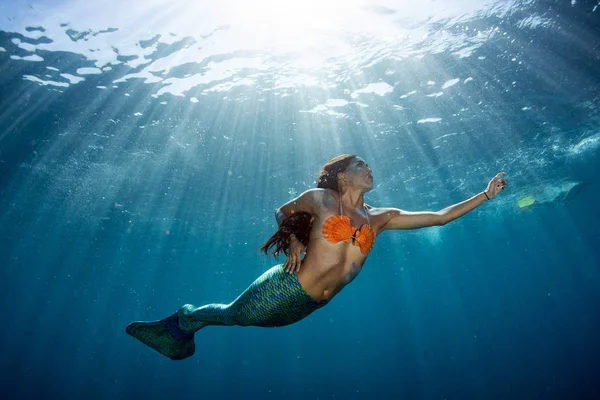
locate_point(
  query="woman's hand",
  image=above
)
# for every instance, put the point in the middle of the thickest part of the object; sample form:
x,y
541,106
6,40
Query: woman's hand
x,y
496,185
294,259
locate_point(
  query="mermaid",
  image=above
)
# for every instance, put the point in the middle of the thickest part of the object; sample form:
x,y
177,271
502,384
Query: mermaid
x,y
326,234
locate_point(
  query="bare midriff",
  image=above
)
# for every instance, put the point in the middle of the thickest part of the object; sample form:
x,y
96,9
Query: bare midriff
x,y
328,267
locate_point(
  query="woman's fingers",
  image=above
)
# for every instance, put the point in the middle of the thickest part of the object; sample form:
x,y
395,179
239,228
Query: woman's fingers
x,y
290,264
293,262
498,182
501,184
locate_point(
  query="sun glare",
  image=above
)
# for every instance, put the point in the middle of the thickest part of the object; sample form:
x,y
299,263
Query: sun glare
x,y
293,21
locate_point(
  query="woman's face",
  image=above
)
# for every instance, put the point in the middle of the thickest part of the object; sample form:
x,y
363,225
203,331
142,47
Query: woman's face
x,y
358,174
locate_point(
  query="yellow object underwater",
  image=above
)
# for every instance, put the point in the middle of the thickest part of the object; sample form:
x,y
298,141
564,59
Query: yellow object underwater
x,y
526,201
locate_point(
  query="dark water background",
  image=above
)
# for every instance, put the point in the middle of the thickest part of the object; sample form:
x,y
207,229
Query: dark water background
x,y
106,218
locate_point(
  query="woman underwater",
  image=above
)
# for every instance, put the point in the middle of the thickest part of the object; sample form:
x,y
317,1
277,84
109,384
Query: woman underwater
x,y
334,227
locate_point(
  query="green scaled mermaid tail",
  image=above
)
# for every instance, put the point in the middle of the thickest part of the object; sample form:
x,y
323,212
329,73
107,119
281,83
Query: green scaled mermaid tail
x,y
164,336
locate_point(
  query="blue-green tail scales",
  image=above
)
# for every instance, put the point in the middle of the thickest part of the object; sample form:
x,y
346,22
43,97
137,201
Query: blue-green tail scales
x,y
274,299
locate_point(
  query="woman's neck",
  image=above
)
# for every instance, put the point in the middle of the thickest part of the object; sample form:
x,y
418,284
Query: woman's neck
x,y
353,199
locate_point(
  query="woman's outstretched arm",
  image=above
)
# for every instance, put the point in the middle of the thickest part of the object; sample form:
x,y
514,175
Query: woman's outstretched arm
x,y
400,219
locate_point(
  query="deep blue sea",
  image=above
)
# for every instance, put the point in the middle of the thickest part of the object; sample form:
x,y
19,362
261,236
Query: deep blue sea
x,y
144,147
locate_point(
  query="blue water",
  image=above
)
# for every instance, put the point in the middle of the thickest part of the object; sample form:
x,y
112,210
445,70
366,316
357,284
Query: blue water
x,y
144,149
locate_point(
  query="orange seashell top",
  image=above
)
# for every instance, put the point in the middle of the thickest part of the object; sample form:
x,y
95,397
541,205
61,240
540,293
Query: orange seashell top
x,y
338,228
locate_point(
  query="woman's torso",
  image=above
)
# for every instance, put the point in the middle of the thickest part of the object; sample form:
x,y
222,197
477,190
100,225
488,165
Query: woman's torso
x,y
328,267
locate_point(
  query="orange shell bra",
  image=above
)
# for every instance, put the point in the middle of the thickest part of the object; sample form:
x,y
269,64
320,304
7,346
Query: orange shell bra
x,y
339,228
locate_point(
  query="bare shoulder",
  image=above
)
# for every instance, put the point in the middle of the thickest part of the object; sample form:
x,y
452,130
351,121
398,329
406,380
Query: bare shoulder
x,y
329,197
323,199
315,200
308,201
315,195
317,191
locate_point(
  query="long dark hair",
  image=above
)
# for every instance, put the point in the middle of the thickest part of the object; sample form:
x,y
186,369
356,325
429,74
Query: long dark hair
x,y
300,223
